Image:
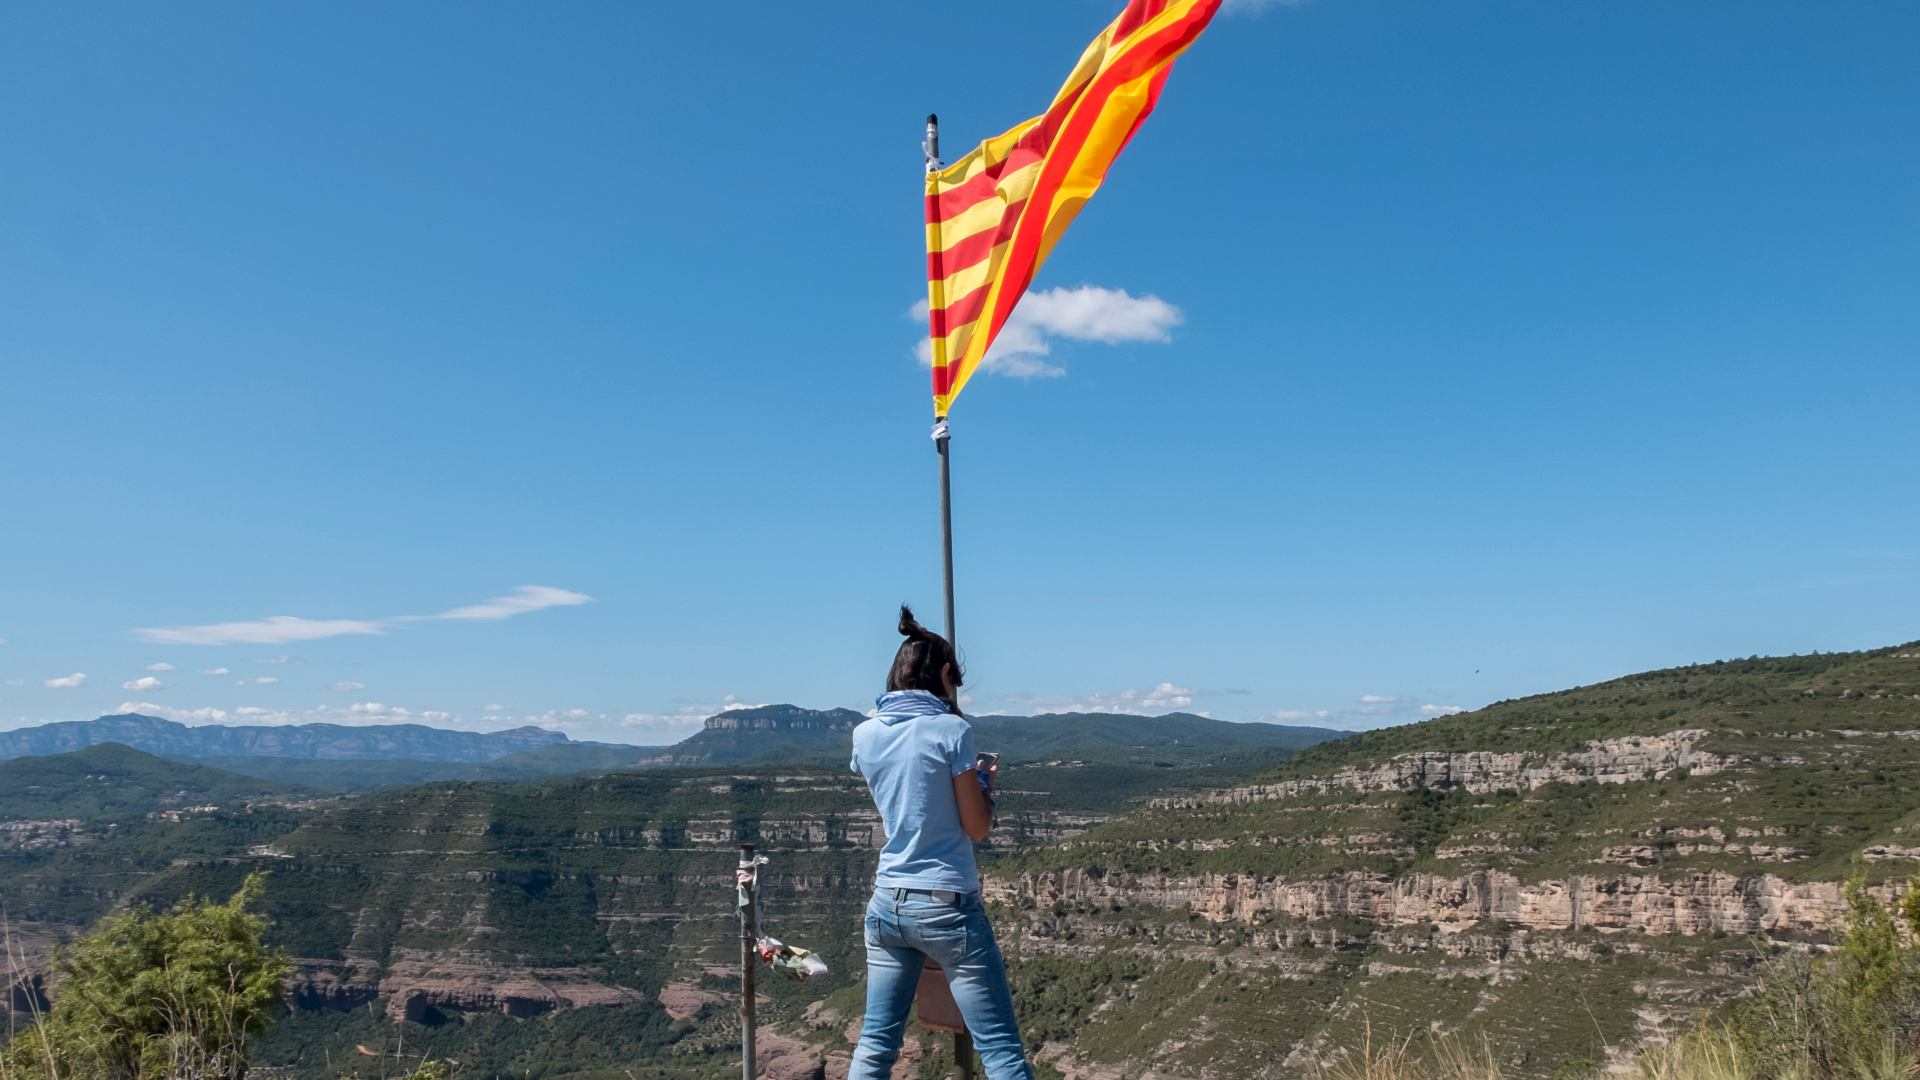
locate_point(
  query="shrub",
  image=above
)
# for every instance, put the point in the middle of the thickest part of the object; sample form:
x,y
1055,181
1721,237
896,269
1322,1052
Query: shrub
x,y
1852,1015
167,996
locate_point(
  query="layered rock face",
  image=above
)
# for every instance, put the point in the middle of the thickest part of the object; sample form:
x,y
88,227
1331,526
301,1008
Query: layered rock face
x,y
784,718
1627,760
1688,904
1559,877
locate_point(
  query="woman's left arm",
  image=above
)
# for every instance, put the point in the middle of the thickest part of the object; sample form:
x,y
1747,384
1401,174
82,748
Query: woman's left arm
x,y
976,812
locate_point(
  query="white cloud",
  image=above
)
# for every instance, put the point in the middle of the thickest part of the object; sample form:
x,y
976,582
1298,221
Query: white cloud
x,y
1081,313
217,671
144,682
259,680
348,686
168,712
1156,700
273,630
524,599
160,665
1296,716
495,708
361,713
67,682
658,728
281,629
566,719
1368,711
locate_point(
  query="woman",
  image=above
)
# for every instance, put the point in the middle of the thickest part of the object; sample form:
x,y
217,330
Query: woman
x,y
917,756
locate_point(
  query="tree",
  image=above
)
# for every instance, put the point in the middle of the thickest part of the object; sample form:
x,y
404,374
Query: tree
x,y
158,996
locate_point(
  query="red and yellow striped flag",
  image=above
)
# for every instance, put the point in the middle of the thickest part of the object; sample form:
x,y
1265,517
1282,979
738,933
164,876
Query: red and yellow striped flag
x,y
995,214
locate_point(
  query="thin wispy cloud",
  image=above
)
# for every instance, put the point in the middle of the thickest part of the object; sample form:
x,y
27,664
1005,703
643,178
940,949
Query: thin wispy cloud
x,y
161,666
272,630
283,629
520,601
67,682
217,671
348,686
144,682
1089,313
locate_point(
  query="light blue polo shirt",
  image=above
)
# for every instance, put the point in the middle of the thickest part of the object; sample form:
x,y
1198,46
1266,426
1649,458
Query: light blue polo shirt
x,y
909,751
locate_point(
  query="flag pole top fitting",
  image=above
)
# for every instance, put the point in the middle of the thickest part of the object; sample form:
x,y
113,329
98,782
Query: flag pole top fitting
x,y
930,145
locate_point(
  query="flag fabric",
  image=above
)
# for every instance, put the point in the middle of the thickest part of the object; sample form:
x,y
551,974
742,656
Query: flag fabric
x,y
994,215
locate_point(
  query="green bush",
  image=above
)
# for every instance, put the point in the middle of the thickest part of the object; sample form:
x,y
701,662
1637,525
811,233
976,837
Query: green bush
x,y
1851,1015
157,996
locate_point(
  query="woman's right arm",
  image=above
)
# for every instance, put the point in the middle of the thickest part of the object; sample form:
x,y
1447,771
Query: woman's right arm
x,y
976,813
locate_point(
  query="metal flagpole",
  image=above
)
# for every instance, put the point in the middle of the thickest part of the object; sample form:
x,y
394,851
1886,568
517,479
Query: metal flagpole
x,y
946,523
930,147
748,883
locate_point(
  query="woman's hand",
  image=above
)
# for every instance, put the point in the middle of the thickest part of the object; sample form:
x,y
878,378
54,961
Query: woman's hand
x,y
976,811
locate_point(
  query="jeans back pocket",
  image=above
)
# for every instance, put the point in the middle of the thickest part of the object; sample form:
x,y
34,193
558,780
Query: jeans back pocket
x,y
946,934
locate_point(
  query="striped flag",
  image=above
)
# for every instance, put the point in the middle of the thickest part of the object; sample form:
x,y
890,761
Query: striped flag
x,y
995,214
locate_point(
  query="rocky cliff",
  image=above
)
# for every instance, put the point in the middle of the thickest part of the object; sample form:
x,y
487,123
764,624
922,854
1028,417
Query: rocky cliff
x,y
1563,877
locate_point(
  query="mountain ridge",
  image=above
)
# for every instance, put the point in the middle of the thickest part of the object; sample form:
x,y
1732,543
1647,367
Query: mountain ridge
x,y
766,734
318,741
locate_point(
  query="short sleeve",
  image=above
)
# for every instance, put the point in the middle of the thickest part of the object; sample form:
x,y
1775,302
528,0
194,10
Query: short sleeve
x,y
853,761
960,757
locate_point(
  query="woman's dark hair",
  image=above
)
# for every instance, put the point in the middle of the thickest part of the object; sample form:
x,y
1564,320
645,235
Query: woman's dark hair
x,y
921,659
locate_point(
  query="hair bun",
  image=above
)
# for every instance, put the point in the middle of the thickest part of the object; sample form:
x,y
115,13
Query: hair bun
x,y
909,626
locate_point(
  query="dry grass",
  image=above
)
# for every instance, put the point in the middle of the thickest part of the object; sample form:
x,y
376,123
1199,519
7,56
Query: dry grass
x,y
31,1043
1436,1057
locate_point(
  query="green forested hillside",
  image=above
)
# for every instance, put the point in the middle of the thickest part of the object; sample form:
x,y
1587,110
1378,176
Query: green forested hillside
x,y
109,781
784,734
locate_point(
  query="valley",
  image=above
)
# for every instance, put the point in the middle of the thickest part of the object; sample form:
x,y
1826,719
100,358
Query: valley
x,y
1559,878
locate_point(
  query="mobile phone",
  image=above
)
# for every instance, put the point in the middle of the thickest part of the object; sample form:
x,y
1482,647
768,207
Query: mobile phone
x,y
983,765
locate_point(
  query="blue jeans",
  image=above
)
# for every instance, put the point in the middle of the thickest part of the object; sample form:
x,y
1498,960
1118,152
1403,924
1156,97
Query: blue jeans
x,y
903,932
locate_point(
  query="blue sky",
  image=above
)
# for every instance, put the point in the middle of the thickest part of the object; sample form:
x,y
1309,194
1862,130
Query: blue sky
x,y
1414,356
